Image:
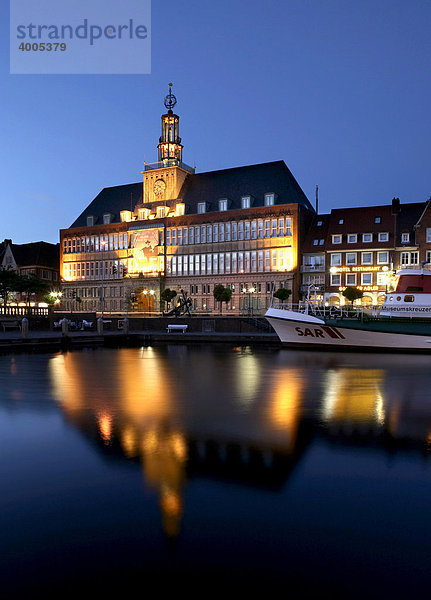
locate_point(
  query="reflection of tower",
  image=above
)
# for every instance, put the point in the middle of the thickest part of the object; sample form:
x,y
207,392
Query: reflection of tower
x,y
164,456
170,147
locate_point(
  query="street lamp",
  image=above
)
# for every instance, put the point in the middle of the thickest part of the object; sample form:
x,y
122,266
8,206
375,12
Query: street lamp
x,y
56,296
250,291
102,248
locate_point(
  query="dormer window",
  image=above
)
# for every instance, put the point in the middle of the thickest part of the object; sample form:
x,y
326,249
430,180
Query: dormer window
x,y
180,209
269,199
222,204
90,221
337,239
125,216
367,237
245,202
144,214
202,208
161,212
405,237
106,219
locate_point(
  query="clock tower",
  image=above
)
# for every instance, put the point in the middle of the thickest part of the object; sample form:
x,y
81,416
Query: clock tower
x,y
163,180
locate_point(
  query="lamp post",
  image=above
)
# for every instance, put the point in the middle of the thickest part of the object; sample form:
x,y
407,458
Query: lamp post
x,y
56,296
250,291
102,248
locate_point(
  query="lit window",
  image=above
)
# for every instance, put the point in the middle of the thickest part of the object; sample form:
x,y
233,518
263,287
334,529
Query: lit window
x,y
269,199
125,215
144,213
367,237
352,238
106,219
222,205
180,209
161,212
383,236
405,237
90,221
201,207
337,239
245,202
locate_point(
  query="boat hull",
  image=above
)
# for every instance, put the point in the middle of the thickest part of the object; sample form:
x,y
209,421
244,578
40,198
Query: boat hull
x,y
301,330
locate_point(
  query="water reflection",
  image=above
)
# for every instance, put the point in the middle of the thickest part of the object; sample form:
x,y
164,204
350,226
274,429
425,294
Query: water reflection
x,y
241,415
261,458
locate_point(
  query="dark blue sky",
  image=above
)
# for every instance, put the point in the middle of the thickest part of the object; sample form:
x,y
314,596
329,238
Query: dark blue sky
x,y
339,90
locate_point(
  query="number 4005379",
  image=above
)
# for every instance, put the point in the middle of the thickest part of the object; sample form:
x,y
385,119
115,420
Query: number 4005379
x,y
42,47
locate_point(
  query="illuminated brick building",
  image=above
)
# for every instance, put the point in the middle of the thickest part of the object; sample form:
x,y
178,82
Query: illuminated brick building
x,y
241,227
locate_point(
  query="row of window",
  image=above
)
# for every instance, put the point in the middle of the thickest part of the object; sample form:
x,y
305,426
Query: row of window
x,y
351,258
227,232
218,232
93,292
246,202
353,279
114,269
229,262
352,238
95,243
244,288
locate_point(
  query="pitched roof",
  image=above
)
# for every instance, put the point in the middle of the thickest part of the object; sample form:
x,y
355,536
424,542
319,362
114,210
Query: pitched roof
x,y
210,187
41,254
358,220
254,180
111,200
317,232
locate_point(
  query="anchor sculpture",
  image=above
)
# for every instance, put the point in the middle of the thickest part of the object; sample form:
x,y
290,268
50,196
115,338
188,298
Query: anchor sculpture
x,y
182,307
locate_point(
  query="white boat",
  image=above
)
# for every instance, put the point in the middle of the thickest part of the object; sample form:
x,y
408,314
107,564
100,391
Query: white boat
x,y
403,323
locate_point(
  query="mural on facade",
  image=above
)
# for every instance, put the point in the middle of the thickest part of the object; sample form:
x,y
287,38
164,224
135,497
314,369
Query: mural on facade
x,y
145,251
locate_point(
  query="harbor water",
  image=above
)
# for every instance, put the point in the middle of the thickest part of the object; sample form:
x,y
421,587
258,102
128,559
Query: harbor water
x,y
194,468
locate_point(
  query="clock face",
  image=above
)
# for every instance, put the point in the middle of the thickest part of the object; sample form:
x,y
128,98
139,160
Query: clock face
x,y
159,187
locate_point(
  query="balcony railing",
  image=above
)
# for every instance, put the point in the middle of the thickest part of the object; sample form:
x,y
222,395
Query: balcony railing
x,y
168,163
312,268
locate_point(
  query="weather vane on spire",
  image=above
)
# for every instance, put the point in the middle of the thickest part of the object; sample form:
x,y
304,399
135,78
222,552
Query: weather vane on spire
x,y
170,99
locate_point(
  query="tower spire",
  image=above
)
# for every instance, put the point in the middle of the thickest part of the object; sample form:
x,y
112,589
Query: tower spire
x,y
169,146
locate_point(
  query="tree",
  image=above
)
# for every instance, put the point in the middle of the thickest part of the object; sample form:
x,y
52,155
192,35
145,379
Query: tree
x,y
29,285
167,295
352,293
282,294
9,282
222,294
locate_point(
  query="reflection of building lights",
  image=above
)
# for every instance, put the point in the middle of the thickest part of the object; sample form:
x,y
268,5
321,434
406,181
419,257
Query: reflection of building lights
x,y
353,395
105,427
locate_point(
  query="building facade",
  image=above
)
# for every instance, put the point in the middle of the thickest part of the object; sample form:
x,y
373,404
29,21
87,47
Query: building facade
x,y
241,227
363,247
